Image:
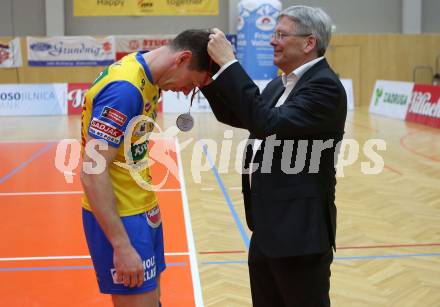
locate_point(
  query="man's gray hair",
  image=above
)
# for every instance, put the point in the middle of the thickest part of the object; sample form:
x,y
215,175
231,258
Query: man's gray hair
x,y
311,20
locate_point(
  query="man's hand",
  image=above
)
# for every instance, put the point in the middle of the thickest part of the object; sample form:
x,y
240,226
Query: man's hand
x,y
128,265
219,48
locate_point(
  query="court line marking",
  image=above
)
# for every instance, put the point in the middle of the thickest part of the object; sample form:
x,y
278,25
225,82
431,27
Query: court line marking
x,y
28,141
198,298
71,267
226,196
23,164
72,257
344,258
389,246
432,244
40,193
413,151
386,256
221,252
64,192
391,169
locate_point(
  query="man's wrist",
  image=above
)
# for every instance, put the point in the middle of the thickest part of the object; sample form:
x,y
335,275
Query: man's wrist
x,y
226,65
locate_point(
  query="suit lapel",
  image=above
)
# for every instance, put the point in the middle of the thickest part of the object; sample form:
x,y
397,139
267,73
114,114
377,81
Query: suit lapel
x,y
309,73
276,94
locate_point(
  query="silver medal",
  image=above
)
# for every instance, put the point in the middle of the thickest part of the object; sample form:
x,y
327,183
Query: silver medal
x,y
185,122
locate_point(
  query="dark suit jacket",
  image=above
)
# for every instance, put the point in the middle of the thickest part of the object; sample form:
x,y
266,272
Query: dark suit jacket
x,y
291,211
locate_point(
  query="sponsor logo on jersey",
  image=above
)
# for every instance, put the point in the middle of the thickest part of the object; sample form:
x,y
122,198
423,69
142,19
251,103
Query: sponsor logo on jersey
x,y
138,151
105,131
141,129
114,115
153,217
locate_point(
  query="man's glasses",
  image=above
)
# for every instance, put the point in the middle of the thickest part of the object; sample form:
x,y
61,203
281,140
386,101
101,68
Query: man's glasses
x,y
279,36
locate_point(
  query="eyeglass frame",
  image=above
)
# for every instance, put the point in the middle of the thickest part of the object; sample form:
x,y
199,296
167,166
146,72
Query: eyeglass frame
x,y
279,36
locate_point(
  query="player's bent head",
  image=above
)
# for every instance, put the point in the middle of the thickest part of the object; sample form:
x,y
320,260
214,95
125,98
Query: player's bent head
x,y
196,41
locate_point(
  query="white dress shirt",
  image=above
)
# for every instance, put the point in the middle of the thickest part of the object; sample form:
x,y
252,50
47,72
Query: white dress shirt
x,y
289,82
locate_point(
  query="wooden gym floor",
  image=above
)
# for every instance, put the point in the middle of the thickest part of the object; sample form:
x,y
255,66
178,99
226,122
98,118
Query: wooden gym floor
x,y
388,223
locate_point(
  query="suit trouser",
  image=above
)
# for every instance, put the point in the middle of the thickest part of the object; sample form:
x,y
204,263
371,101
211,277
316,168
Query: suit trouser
x,y
299,281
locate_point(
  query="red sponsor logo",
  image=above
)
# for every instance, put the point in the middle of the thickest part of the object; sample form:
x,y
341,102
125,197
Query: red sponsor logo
x,y
154,43
133,44
105,131
114,115
106,128
75,97
107,46
153,217
121,54
424,107
4,54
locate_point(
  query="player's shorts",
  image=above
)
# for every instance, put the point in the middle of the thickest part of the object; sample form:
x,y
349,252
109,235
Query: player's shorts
x,y
146,236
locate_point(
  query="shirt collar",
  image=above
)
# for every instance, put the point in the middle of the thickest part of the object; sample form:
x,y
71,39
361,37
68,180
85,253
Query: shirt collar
x,y
299,72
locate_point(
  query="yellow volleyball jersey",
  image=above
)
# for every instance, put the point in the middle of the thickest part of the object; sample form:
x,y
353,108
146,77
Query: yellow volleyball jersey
x,y
121,92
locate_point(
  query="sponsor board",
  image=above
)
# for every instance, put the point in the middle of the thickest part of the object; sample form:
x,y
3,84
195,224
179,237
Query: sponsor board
x,y
145,7
33,99
70,51
256,23
424,107
391,98
10,53
126,44
75,97
348,86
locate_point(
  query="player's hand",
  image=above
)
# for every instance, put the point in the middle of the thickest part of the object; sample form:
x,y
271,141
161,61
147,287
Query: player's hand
x,y
219,48
129,268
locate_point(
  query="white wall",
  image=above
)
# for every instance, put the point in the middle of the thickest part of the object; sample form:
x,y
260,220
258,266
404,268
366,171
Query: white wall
x,y
22,17
359,16
431,16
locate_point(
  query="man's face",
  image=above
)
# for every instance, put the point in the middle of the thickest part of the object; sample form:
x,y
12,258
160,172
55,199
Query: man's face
x,y
180,78
290,47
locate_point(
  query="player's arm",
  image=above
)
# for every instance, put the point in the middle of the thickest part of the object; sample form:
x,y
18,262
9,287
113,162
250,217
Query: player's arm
x,y
98,188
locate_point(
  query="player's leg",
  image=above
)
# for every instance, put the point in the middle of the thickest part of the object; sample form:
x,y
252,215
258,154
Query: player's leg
x,y
143,240
155,222
147,299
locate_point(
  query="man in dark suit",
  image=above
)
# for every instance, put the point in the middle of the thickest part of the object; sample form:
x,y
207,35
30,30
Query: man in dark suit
x,y
289,181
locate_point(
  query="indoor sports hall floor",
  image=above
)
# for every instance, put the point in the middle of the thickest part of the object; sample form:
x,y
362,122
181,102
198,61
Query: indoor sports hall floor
x,y
388,223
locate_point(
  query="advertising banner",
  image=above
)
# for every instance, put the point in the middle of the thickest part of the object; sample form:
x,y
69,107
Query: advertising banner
x,y
256,24
75,97
33,99
348,86
391,98
10,53
424,107
145,7
70,51
126,44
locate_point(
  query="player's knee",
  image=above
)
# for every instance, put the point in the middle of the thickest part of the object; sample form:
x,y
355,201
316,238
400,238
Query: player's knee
x,y
146,299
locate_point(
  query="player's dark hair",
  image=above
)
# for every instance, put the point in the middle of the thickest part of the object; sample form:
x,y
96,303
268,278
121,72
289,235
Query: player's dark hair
x,y
195,41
